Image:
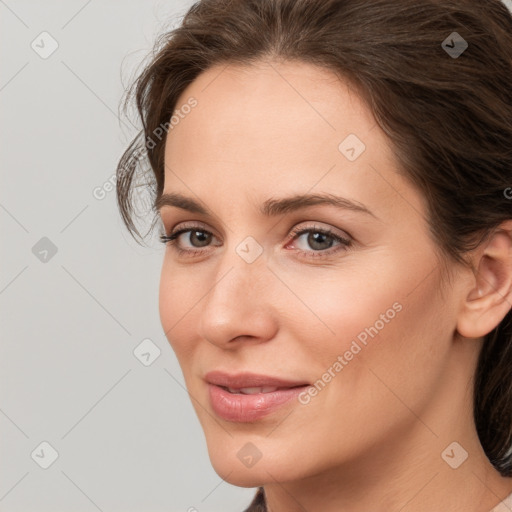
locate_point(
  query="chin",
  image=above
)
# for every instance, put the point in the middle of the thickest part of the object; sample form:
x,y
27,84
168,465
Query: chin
x,y
244,478
267,465
235,473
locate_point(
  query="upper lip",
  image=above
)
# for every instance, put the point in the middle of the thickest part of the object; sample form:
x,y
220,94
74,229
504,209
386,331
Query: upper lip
x,y
250,380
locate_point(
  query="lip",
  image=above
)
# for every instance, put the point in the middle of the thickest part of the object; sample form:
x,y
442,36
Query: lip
x,y
247,408
249,380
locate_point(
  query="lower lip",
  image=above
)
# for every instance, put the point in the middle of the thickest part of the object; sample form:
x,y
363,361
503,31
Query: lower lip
x,y
245,408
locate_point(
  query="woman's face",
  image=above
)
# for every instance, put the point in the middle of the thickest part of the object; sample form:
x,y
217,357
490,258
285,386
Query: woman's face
x,y
367,325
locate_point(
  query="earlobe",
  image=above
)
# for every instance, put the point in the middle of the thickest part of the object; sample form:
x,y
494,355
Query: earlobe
x,y
490,294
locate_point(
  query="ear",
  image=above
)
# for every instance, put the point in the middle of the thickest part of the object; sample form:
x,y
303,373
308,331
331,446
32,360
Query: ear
x,y
488,297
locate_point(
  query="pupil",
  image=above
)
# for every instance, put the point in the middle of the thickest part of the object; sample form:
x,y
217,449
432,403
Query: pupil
x,y
315,238
203,237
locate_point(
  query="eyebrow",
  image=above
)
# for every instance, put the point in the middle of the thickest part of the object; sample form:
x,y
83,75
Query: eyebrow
x,y
271,207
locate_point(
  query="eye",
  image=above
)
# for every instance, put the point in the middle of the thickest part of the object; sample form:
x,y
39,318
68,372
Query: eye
x,y
198,237
320,240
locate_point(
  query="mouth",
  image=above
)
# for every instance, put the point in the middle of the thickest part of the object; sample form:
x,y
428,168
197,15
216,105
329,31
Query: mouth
x,y
248,397
251,381
256,390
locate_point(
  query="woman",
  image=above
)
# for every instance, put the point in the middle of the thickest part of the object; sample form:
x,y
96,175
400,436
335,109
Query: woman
x,y
334,184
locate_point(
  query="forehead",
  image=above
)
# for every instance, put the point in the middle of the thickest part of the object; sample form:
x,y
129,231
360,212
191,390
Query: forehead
x,y
283,125
283,104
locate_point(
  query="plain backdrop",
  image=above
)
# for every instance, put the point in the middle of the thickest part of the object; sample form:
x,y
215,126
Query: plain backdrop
x,y
93,410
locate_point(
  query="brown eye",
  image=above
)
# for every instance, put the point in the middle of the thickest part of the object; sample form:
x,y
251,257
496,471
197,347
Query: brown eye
x,y
202,238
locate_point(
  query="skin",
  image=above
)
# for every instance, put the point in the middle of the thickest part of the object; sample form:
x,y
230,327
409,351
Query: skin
x,y
372,439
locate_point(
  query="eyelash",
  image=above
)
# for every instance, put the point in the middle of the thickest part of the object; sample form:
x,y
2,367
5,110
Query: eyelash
x,y
345,243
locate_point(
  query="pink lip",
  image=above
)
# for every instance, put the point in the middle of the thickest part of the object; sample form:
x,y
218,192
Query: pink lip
x,y
246,408
249,380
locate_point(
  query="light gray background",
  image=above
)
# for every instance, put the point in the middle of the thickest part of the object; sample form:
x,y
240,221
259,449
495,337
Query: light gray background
x,y
126,434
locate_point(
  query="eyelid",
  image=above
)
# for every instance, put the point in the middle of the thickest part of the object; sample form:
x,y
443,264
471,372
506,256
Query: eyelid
x,y
325,229
190,224
293,231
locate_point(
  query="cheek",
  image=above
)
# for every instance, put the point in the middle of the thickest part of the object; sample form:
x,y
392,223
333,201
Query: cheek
x,y
394,323
344,309
393,340
177,305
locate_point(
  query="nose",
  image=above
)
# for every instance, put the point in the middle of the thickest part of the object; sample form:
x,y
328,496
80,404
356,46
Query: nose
x,y
240,306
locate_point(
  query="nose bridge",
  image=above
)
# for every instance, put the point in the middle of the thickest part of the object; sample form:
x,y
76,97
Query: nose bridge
x,y
236,282
235,304
241,270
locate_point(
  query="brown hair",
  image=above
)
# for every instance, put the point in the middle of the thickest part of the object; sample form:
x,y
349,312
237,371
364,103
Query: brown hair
x,y
448,117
